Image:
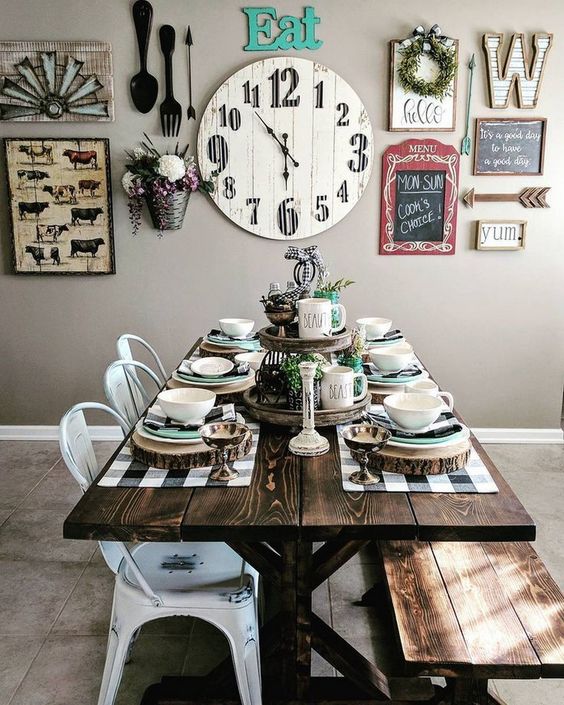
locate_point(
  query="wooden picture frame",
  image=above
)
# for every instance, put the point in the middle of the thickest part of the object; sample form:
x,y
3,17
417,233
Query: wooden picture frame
x,y
419,203
421,105
54,81
516,236
60,205
512,159
518,69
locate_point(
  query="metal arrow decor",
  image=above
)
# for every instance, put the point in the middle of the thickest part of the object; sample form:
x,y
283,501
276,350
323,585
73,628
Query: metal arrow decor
x,y
467,141
533,197
189,43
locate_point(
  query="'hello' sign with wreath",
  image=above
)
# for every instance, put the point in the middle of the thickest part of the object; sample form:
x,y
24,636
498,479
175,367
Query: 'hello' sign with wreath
x,y
419,198
423,72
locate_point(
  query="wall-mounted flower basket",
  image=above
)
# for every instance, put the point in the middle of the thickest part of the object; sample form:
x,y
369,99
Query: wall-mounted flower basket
x,y
168,215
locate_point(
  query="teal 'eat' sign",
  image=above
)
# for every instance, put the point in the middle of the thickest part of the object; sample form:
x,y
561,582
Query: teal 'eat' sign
x,y
294,32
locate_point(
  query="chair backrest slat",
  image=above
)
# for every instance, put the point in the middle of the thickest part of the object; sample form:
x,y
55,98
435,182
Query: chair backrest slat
x,y
123,345
124,390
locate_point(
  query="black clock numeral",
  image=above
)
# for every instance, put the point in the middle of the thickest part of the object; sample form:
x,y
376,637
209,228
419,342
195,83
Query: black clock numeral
x,y
229,187
343,120
322,209
254,202
343,192
277,78
287,218
231,118
251,95
359,141
218,152
318,88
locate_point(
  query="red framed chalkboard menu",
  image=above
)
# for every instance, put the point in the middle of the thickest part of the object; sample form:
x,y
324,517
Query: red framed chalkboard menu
x,y
419,198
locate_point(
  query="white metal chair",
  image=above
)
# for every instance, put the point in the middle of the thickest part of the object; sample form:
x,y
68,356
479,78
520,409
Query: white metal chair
x,y
153,580
124,390
123,345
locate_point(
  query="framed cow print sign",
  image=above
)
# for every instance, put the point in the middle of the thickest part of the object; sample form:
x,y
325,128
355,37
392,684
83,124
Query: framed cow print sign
x,y
60,205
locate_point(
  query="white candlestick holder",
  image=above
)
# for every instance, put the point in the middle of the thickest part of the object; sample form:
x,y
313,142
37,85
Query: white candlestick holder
x,y
308,442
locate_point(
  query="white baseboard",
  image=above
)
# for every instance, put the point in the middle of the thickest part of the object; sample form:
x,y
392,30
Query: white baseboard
x,y
113,433
519,435
51,433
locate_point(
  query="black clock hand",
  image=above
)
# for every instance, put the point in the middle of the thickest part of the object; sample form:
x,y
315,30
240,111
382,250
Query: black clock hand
x,y
285,150
285,173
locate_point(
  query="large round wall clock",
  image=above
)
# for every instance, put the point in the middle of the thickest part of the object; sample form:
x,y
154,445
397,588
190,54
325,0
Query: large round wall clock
x,y
291,145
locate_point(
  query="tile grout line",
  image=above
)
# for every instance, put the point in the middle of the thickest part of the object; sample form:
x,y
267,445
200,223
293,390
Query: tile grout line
x,y
27,671
32,489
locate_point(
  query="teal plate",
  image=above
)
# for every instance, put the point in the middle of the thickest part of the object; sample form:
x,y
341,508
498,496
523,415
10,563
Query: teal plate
x,y
188,435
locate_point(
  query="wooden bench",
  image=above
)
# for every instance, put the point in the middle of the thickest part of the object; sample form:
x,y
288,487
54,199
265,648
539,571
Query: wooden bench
x,y
474,611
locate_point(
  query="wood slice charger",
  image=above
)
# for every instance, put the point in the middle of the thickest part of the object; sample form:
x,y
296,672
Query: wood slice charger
x,y
208,349
177,456
411,461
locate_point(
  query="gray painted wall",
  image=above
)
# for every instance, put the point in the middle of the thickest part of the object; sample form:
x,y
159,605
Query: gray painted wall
x,y
489,325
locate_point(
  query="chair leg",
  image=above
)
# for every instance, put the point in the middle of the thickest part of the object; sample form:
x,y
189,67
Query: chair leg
x,y
118,649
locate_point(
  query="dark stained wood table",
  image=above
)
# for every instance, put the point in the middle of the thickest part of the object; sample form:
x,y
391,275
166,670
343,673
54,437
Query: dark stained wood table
x,y
291,504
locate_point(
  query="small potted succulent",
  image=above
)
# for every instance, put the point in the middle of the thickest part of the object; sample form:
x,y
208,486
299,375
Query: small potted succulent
x,y
291,372
164,182
352,357
332,291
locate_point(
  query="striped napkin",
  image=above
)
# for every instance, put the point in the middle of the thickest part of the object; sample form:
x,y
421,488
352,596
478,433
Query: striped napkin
x,y
445,426
158,423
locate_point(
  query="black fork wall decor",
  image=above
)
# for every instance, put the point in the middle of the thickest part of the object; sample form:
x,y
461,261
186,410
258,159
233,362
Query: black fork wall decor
x,y
171,110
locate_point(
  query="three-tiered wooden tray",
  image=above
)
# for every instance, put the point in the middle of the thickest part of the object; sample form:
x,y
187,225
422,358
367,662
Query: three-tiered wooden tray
x,y
276,411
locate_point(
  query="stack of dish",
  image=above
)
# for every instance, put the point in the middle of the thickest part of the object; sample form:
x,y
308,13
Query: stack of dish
x,y
210,372
379,333
235,333
392,366
418,421
178,415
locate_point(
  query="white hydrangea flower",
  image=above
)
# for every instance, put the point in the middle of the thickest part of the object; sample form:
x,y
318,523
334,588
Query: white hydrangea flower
x,y
128,181
171,166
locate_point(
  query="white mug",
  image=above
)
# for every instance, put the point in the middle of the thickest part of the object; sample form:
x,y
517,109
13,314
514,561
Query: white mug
x,y
427,386
315,318
337,387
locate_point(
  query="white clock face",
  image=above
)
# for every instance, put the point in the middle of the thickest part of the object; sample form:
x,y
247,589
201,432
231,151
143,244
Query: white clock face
x,y
292,146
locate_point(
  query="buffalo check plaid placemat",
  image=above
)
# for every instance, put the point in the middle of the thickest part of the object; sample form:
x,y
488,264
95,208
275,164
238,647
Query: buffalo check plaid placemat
x,y
125,471
473,479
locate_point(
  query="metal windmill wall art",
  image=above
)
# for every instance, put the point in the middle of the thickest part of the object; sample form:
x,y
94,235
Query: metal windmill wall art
x,y
50,81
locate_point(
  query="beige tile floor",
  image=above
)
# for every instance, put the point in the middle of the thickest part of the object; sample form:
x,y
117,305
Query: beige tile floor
x,y
55,595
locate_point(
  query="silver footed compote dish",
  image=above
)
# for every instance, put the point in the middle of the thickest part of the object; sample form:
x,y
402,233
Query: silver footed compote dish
x,y
365,440
223,437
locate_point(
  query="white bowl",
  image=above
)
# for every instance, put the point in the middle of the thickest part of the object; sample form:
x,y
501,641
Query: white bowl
x,y
413,412
393,358
253,358
375,327
186,405
212,366
236,327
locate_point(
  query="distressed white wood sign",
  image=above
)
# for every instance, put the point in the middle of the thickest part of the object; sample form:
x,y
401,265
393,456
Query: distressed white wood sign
x,y
501,234
292,146
409,112
520,73
42,81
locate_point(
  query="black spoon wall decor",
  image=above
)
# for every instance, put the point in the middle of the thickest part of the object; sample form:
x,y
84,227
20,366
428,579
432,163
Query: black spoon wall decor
x,y
171,110
144,87
189,43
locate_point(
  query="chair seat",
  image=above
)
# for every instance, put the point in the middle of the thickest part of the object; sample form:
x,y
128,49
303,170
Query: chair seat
x,y
187,567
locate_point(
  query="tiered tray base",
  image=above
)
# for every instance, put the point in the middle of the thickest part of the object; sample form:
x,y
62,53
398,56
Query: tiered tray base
x,y
282,416
271,341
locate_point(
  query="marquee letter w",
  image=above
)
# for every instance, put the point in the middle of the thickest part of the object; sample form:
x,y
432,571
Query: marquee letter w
x,y
519,72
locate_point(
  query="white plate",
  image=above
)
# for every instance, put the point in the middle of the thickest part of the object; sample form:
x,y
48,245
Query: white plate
x,y
211,366
430,446
219,382
178,441
424,374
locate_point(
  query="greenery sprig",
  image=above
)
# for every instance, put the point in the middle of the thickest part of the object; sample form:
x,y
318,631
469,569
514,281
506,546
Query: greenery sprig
x,y
332,287
291,368
443,56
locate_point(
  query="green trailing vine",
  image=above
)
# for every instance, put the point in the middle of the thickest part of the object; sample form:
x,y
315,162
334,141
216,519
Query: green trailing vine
x,y
444,57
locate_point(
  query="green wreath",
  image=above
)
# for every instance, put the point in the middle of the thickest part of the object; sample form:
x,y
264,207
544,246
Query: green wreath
x,y
444,57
